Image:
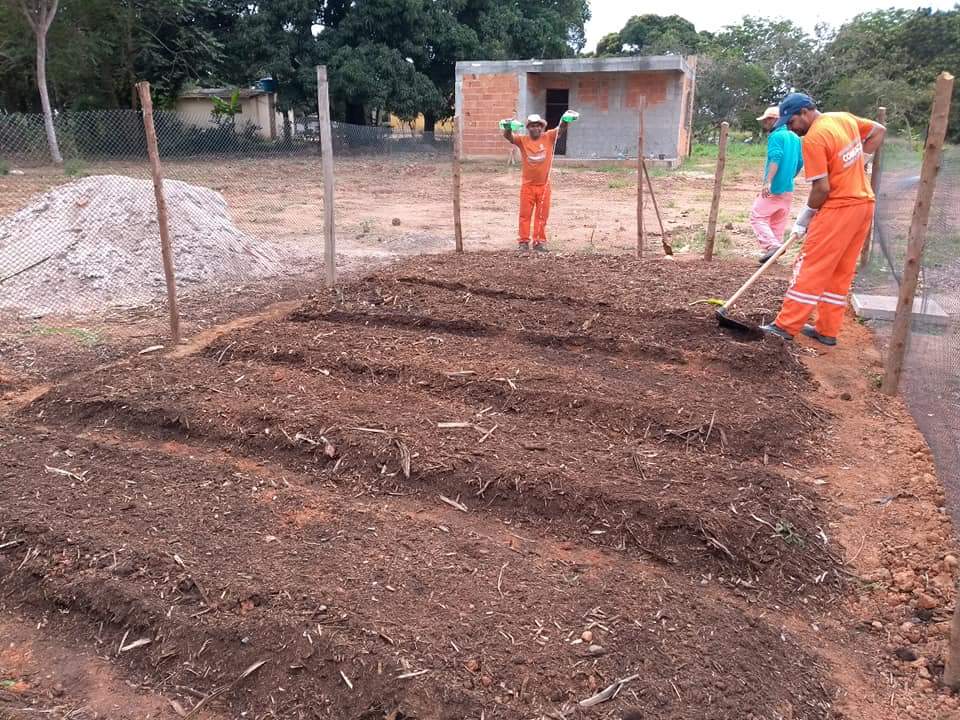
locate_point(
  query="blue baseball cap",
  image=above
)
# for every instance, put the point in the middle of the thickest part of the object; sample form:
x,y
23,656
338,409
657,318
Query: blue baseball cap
x,y
791,105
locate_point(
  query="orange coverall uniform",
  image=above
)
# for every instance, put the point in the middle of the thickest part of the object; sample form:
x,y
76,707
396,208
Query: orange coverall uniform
x,y
824,270
537,157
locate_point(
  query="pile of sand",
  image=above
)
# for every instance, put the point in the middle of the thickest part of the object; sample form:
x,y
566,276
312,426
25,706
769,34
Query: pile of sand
x,y
95,242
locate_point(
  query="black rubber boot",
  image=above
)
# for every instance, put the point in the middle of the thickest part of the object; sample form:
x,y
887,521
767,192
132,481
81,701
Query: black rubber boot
x,y
540,248
776,331
768,254
811,332
523,247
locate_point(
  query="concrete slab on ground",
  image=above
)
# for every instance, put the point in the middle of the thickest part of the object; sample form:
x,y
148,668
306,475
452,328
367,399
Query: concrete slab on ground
x,y
884,307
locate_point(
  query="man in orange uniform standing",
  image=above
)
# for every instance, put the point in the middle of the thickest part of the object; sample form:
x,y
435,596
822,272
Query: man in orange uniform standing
x,y
536,152
836,220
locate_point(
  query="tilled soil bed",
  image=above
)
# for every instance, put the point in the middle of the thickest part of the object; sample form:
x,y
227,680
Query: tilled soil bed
x,y
461,487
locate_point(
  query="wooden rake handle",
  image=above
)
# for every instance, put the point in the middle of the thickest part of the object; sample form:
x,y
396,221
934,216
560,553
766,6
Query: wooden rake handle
x,y
763,268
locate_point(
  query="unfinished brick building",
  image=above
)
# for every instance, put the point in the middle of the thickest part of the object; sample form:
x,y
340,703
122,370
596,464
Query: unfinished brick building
x,y
606,92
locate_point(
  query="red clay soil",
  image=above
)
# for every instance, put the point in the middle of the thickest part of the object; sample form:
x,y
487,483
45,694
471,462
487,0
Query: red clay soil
x,y
460,487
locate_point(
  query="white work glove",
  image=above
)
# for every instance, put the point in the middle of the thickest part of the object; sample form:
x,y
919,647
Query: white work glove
x,y
803,221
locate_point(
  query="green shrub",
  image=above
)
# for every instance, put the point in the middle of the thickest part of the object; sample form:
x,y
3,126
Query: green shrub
x,y
75,168
4,168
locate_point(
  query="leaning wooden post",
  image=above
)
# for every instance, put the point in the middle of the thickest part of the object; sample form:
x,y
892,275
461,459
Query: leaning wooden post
x,y
717,183
667,248
951,673
641,234
875,185
326,159
457,226
917,236
146,105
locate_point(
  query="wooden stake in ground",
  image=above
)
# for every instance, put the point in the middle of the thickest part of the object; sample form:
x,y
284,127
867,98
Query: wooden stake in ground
x,y
717,183
641,235
875,185
667,248
326,158
457,226
951,673
146,104
917,236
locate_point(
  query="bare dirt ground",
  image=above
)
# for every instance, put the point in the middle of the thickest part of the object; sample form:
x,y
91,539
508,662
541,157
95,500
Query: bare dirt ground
x,y
481,486
755,532
387,207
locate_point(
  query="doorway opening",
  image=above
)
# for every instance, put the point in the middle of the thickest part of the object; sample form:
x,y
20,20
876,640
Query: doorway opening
x,y
558,102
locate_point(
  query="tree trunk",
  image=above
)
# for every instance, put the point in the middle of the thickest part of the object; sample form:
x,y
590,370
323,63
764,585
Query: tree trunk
x,y
41,35
429,121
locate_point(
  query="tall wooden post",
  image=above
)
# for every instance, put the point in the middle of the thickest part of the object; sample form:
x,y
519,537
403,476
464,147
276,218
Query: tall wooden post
x,y
326,159
641,233
667,248
717,184
951,673
875,185
457,226
153,151
900,335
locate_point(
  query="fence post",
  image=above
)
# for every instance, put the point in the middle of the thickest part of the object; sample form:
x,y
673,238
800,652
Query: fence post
x,y
457,226
717,183
900,335
951,673
146,105
875,185
326,159
641,233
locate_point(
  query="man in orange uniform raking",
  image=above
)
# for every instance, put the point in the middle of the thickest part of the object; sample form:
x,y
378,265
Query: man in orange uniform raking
x,y
836,220
536,152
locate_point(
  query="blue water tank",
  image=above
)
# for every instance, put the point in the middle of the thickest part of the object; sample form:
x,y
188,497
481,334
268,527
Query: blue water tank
x,y
267,84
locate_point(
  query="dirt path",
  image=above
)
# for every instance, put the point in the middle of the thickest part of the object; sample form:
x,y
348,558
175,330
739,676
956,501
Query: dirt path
x,y
631,478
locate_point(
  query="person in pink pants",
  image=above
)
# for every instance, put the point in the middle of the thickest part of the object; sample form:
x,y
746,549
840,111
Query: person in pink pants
x,y
771,209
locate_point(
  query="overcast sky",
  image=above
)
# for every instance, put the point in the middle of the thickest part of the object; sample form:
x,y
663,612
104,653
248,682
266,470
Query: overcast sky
x,y
610,15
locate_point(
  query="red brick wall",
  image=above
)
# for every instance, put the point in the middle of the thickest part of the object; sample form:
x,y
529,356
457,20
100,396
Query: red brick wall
x,y
593,92
653,86
487,99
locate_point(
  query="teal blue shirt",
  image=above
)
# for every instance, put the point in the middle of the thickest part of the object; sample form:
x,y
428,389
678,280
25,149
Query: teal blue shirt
x,y
783,148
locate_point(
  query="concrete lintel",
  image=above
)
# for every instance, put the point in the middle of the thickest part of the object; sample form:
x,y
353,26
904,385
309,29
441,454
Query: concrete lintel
x,y
884,307
652,63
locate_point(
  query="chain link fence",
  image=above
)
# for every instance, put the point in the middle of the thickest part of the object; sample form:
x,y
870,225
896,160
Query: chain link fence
x,y
931,375
80,260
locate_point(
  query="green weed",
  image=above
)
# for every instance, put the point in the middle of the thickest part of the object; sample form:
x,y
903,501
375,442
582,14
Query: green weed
x,y
75,168
4,167
617,184
81,335
698,241
786,532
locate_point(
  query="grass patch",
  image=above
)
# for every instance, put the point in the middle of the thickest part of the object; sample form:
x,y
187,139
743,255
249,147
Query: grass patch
x,y
75,168
740,156
618,184
614,169
4,167
81,335
697,241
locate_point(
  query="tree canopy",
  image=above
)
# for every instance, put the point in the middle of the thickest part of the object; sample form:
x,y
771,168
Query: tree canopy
x,y
885,57
399,55
390,55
